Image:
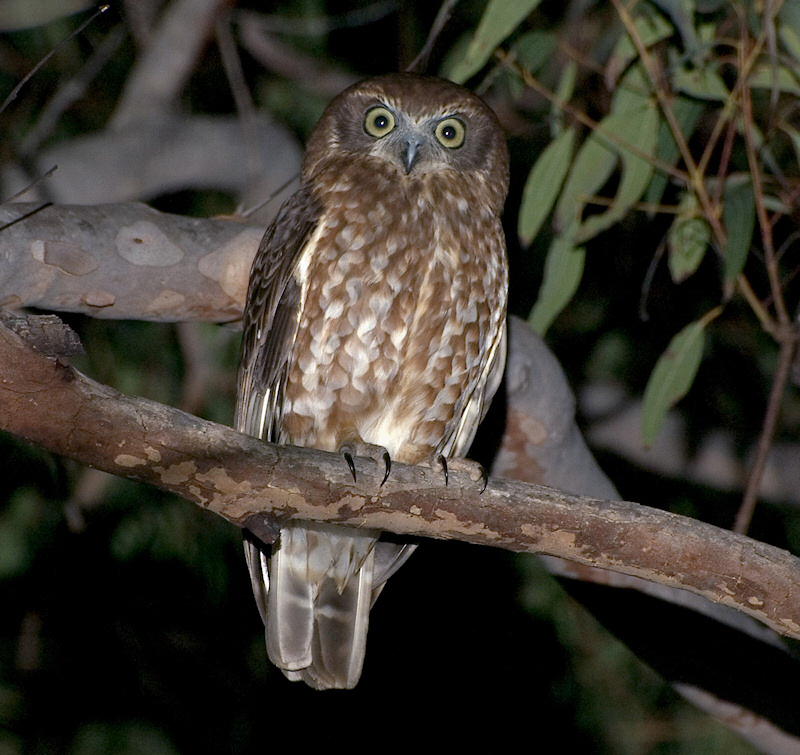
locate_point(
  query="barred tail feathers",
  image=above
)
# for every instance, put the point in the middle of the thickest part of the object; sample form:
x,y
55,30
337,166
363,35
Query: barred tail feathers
x,y
320,582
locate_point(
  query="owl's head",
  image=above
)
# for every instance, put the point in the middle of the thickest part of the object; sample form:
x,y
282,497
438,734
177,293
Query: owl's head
x,y
417,124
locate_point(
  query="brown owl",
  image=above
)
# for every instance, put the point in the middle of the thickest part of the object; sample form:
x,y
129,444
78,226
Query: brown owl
x,y
375,325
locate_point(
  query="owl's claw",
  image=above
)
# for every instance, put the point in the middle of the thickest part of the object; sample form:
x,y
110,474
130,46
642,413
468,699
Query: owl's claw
x,y
472,469
442,459
387,460
351,450
348,457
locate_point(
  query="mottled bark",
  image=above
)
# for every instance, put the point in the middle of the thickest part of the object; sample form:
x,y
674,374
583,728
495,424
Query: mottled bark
x,y
124,261
44,400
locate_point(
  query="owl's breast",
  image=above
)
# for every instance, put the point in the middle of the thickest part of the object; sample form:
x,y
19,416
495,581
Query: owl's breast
x,y
396,313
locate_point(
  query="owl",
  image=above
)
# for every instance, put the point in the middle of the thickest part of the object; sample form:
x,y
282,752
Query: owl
x,y
375,325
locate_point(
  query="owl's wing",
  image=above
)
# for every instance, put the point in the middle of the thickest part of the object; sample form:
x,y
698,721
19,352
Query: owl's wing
x,y
272,315
477,401
270,327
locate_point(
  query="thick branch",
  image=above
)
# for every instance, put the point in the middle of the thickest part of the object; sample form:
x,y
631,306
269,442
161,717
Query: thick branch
x,y
86,258
256,484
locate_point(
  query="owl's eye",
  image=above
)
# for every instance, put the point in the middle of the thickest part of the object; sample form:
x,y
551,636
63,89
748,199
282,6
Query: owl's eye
x,y
378,122
451,133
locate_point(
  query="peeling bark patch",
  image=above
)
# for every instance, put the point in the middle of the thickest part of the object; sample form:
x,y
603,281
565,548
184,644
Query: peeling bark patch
x,y
153,454
128,461
69,258
144,243
166,300
557,542
351,503
754,601
794,626
98,299
454,524
177,473
229,266
219,478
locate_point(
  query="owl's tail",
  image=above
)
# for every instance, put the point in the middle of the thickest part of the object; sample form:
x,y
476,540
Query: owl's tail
x,y
314,593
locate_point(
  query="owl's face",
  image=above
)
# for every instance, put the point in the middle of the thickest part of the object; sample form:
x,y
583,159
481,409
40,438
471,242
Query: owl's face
x,y
416,124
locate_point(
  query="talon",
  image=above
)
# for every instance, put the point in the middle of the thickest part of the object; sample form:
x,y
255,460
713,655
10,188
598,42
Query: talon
x,y
387,460
348,457
485,476
443,461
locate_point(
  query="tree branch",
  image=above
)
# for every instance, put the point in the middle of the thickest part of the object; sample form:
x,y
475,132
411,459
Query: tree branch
x,y
84,258
255,484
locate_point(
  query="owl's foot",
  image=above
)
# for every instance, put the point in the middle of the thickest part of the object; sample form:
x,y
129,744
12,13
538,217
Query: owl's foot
x,y
472,469
368,450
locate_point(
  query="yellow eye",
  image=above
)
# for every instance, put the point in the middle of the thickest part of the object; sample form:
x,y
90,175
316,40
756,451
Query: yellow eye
x,y
451,133
378,122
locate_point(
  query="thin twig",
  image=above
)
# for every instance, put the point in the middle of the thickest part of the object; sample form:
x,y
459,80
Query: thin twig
x,y
420,63
761,211
32,184
787,354
15,91
71,91
245,108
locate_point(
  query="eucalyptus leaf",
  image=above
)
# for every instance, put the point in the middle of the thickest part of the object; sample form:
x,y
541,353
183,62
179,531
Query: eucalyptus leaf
x,y
739,219
687,113
592,167
563,270
543,184
533,49
634,119
651,28
564,92
703,83
640,128
499,19
780,78
672,377
789,27
687,239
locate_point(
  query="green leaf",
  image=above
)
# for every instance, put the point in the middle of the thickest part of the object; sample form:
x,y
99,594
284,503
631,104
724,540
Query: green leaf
x,y
739,219
563,270
566,85
703,83
543,184
533,49
687,112
651,28
673,375
687,239
499,19
781,78
592,167
789,27
638,127
634,120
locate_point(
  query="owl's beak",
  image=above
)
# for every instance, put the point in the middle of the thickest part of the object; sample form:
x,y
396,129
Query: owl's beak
x,y
410,152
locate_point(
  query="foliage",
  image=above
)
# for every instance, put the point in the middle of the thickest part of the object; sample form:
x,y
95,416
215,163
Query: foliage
x,y
695,99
